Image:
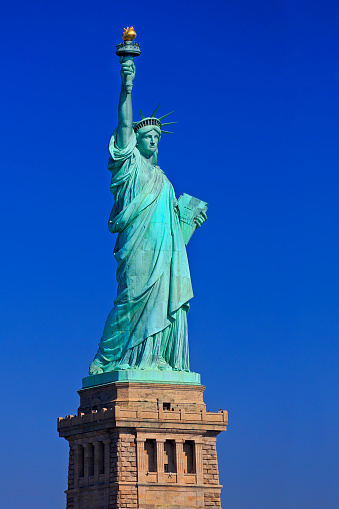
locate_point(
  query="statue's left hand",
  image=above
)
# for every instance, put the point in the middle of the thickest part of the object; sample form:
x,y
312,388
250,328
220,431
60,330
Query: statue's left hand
x,y
200,219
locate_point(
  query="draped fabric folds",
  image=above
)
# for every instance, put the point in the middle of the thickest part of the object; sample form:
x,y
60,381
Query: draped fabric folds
x,y
147,326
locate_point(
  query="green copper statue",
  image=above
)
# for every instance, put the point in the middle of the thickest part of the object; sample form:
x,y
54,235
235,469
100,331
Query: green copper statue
x,y
147,327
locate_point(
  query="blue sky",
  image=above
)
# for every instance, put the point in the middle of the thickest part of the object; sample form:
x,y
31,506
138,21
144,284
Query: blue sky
x,y
253,89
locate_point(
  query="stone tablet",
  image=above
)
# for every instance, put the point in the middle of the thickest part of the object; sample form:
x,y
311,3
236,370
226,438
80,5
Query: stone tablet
x,y
189,208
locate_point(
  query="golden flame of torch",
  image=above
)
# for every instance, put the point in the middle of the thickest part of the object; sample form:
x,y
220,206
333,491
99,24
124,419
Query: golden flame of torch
x,y
129,34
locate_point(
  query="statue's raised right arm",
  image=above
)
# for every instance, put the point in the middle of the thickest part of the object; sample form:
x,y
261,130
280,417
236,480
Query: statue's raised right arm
x,y
125,112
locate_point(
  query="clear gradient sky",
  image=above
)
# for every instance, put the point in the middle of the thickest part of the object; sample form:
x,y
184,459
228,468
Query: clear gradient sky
x,y
253,87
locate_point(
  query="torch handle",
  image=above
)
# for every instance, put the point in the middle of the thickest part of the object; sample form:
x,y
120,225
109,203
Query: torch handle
x,y
128,81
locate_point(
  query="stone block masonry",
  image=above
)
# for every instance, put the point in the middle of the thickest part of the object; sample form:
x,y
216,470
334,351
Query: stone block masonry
x,y
141,445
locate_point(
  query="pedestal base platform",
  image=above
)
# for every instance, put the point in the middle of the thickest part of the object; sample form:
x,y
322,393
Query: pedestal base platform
x,y
142,375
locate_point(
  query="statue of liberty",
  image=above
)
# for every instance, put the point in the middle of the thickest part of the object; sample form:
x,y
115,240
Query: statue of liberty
x,y
147,327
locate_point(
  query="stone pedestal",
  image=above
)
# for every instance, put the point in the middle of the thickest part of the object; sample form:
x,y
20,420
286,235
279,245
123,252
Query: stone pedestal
x,y
143,445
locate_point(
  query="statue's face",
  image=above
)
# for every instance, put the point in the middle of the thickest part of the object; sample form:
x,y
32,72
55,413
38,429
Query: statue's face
x,y
148,143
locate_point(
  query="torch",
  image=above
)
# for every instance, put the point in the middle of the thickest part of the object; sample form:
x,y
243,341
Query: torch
x,y
128,50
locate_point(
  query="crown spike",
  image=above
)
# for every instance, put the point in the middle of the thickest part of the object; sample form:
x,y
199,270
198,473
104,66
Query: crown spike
x,y
141,114
168,123
156,109
167,132
164,116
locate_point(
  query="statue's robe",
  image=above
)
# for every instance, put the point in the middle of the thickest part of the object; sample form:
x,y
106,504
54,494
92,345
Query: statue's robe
x,y
148,323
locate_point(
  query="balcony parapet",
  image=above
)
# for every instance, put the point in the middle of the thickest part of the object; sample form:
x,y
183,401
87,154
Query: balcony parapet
x,y
139,418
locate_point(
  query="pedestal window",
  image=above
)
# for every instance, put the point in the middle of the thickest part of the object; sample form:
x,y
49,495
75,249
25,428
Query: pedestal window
x,y
150,455
169,456
90,460
81,461
101,458
189,460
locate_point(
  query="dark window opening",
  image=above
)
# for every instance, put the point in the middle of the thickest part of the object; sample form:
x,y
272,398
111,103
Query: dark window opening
x,y
101,458
166,406
81,461
169,456
90,460
189,460
150,455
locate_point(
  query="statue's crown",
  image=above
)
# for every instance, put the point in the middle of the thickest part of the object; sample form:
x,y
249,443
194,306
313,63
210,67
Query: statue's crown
x,y
152,120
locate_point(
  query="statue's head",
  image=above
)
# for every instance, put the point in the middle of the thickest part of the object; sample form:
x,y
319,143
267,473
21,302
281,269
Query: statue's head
x,y
148,132
148,138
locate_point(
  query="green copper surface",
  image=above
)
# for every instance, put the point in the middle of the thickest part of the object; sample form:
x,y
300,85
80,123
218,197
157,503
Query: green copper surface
x,y
140,375
145,335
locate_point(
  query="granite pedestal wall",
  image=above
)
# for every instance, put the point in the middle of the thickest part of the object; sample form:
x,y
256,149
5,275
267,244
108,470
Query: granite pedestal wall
x,y
143,445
